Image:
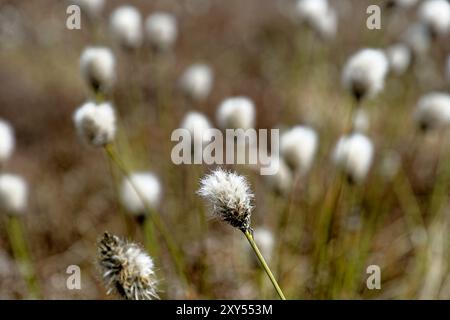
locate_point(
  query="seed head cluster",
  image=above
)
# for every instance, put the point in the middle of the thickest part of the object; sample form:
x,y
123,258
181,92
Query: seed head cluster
x,y
230,197
127,270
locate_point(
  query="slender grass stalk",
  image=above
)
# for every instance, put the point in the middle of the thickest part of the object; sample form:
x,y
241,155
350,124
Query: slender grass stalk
x,y
155,219
21,254
282,224
266,268
123,214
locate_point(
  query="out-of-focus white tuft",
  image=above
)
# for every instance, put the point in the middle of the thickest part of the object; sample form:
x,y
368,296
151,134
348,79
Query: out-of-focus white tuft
x,y
230,197
399,56
433,110
353,154
126,26
196,82
435,14
281,181
92,8
298,147
161,30
7,141
364,73
361,121
417,38
197,124
236,113
13,194
96,123
98,68
318,15
140,191
126,269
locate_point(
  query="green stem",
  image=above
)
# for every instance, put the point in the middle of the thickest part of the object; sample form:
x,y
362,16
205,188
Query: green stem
x,y
22,255
261,259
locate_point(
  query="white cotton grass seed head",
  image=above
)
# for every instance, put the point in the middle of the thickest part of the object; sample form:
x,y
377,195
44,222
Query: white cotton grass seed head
x,y
196,82
281,181
327,24
141,190
126,268
96,123
435,14
399,57
309,10
433,111
361,121
318,15
161,30
353,154
418,39
7,141
236,113
230,197
13,194
198,125
364,73
126,26
92,8
298,147
98,68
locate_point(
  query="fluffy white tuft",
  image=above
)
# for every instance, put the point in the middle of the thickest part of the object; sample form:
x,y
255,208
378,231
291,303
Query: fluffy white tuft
x,y
417,38
298,147
197,124
161,30
230,197
7,141
196,82
127,269
364,73
96,123
318,15
236,113
353,154
13,194
126,26
310,9
433,110
148,193
98,68
435,14
399,57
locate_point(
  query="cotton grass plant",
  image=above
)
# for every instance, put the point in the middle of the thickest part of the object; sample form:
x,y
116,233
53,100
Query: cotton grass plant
x,y
231,201
126,27
127,269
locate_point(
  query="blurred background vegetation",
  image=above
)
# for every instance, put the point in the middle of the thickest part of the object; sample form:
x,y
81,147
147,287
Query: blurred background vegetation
x,y
258,49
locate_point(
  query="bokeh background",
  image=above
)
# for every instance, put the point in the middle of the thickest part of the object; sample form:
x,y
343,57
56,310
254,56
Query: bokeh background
x,y
256,48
